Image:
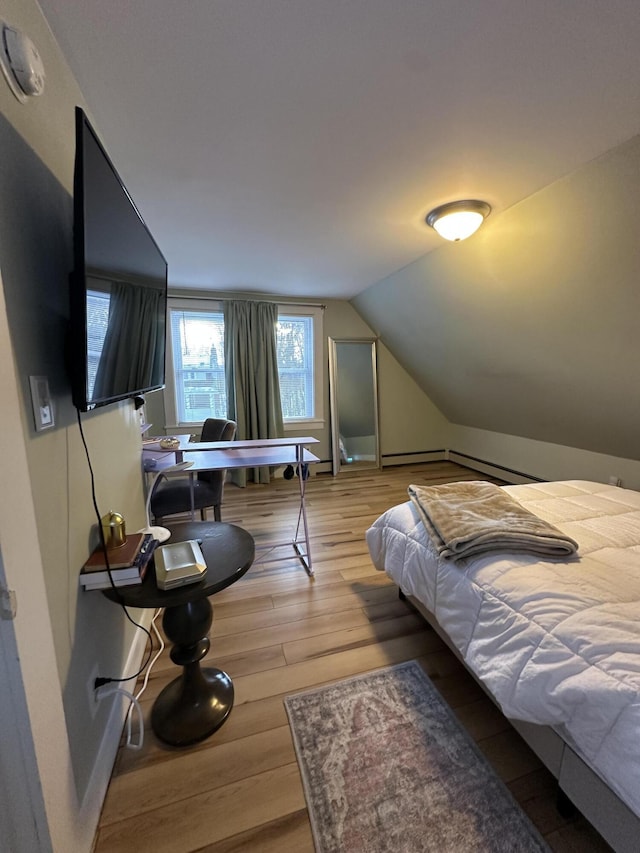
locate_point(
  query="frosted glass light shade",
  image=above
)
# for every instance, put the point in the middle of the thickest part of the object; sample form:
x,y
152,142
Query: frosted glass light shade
x,y
459,219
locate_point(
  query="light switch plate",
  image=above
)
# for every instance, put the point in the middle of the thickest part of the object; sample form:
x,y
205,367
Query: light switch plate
x,y
43,414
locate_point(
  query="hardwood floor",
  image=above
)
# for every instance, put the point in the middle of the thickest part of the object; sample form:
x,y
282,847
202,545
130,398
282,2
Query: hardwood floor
x,y
277,632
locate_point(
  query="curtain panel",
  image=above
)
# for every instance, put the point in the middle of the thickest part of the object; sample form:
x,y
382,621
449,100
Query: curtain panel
x,y
251,373
132,342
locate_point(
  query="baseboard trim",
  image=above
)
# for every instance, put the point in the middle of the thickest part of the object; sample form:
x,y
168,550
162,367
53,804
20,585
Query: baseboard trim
x,y
91,806
492,468
413,457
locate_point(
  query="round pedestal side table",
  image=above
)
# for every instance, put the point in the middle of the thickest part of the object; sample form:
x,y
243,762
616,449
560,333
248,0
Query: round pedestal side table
x,y
198,702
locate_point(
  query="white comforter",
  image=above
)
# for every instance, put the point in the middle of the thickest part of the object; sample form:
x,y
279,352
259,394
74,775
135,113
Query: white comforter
x,y
556,642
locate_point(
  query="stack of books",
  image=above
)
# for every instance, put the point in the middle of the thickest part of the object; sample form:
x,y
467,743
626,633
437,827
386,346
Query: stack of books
x,y
128,564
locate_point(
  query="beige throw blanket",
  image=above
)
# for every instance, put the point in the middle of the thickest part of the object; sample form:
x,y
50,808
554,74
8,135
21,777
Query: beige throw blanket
x,y
468,518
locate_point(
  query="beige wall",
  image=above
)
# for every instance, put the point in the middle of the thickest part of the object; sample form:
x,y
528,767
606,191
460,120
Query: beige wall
x,y
425,430
543,460
88,633
530,327
409,421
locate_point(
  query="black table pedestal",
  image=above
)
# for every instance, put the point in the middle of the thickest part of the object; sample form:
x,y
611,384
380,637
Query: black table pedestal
x,y
198,702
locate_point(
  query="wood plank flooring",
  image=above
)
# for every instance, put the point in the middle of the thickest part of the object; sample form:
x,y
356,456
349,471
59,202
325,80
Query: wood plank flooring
x,y
276,632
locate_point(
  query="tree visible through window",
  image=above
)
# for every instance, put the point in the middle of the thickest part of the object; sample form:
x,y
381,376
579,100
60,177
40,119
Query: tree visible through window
x,y
197,344
294,342
197,340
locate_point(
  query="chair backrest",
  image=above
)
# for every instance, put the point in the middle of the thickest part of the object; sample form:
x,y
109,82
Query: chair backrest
x,y
217,429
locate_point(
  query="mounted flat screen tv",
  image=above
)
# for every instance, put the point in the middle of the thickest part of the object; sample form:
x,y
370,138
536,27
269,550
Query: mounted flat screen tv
x,y
118,285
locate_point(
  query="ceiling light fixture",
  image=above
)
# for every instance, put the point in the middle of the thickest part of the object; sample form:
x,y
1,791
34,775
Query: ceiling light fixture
x,y
458,220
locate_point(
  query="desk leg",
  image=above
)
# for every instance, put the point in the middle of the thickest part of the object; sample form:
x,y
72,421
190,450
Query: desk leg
x,y
198,702
302,517
192,496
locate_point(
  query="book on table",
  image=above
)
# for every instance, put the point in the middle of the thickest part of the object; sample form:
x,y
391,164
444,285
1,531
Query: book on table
x,y
119,558
127,564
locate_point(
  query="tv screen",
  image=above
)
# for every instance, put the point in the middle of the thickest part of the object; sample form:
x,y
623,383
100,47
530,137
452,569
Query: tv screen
x,y
118,286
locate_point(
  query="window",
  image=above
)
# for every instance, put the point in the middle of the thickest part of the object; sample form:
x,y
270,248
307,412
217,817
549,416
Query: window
x,y
294,342
196,385
197,350
97,322
300,366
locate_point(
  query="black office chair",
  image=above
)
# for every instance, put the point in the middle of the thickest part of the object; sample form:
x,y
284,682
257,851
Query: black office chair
x,y
172,495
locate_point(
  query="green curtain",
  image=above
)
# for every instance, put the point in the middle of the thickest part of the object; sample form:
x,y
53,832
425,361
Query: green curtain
x,y
251,375
132,344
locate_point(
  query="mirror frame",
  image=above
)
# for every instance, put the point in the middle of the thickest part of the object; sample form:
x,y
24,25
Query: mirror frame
x,y
333,398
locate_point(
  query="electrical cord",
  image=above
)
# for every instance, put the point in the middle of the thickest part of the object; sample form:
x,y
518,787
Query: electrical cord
x,y
136,699
111,691
156,656
100,682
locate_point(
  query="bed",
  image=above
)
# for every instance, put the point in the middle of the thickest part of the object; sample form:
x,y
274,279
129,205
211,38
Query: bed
x,y
555,642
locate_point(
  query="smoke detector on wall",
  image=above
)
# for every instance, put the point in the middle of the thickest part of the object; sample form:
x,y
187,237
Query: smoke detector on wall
x,y
21,63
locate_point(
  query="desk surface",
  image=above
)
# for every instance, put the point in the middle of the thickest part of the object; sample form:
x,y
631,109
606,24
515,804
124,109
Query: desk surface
x,y
247,444
245,458
228,552
219,455
196,446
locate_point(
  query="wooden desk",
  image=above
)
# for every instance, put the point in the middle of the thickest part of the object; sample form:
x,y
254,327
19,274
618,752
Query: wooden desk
x,y
198,702
253,453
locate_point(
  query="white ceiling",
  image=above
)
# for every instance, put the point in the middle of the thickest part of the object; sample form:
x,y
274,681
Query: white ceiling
x,y
293,147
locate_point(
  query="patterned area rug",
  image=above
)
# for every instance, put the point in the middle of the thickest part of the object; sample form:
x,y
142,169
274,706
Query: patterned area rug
x,y
387,768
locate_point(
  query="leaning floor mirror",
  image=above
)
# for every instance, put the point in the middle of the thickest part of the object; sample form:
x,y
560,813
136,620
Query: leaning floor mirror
x,y
353,391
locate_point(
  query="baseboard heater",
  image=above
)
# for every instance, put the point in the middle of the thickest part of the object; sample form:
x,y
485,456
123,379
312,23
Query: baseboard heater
x,y
492,468
414,457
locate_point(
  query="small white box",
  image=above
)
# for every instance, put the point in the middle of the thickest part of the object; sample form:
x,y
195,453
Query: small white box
x,y
178,564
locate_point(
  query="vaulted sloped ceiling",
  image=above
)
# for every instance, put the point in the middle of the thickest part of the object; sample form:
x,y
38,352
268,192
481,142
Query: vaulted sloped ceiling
x,y
293,147
532,326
